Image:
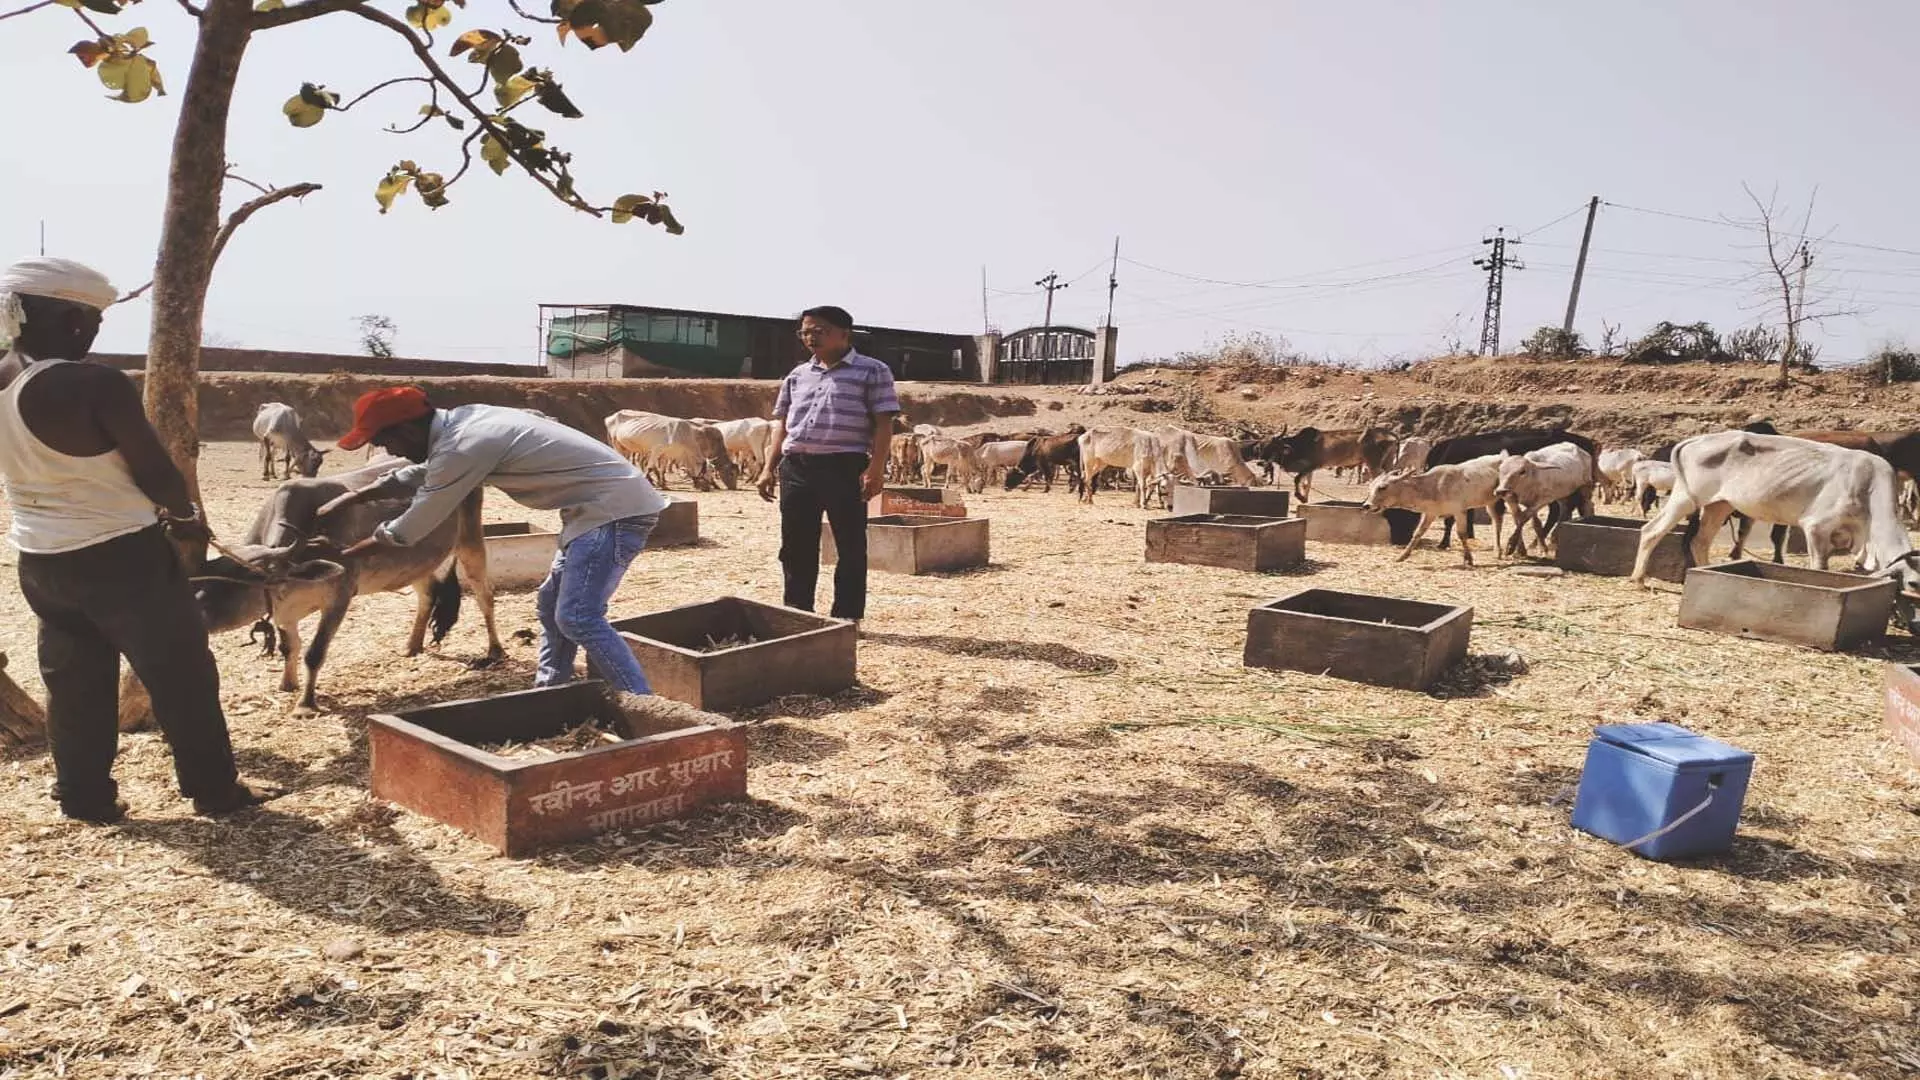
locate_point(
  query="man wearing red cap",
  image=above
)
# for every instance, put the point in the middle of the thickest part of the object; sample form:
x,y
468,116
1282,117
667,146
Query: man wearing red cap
x,y
606,506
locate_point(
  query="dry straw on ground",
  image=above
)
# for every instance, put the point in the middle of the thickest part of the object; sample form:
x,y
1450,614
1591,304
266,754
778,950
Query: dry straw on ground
x,y
1057,830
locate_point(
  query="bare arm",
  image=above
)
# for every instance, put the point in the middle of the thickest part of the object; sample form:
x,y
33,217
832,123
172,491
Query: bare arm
x,y
117,410
876,477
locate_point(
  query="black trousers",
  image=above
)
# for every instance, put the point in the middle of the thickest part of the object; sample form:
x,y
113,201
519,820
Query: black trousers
x,y
125,597
810,485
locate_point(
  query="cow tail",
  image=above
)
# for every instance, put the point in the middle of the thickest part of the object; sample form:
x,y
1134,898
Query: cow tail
x,y
443,609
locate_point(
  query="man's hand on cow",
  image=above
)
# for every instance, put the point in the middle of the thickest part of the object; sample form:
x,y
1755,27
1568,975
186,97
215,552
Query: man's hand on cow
x,y
192,530
873,482
767,481
369,544
336,504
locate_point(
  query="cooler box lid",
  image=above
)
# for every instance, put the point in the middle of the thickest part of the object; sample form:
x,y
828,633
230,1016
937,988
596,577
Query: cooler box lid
x,y
1672,745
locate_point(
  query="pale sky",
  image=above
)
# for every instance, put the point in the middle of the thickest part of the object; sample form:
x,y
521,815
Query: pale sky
x,y
876,153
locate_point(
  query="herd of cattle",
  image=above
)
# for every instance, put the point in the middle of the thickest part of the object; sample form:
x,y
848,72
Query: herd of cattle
x,y
1847,491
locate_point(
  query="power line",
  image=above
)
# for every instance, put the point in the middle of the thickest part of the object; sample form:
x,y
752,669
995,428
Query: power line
x,y
1278,283
1724,223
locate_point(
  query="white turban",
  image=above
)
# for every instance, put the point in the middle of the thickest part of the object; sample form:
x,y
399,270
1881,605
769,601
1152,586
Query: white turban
x,y
55,279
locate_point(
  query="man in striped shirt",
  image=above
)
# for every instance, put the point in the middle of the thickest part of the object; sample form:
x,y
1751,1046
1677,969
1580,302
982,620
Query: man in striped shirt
x,y
832,423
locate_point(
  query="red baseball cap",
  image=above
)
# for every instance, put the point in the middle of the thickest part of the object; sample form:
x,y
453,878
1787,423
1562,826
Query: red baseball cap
x,y
378,410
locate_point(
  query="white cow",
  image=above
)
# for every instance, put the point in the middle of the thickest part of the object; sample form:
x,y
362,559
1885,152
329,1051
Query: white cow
x,y
747,442
1441,492
657,443
1411,454
995,456
1537,479
1650,480
1616,473
1131,449
1189,456
277,427
1843,500
961,460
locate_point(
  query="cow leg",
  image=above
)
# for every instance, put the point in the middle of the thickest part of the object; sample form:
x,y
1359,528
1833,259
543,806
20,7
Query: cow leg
x,y
423,607
266,460
1780,544
1678,507
1713,518
1419,531
330,620
473,563
289,656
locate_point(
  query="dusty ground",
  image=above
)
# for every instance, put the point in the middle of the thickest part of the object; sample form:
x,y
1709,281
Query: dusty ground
x,y
1057,830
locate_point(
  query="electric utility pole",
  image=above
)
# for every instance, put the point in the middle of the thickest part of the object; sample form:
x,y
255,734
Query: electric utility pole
x,y
1580,267
1052,284
1113,280
1496,264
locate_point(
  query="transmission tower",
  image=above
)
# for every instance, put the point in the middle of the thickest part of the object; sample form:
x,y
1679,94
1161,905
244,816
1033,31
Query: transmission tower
x,y
1497,263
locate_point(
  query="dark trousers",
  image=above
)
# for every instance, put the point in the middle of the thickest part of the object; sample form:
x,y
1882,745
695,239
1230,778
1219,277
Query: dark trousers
x,y
812,484
125,597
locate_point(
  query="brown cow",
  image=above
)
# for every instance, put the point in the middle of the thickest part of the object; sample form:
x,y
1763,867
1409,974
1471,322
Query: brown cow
x,y
1310,449
1044,454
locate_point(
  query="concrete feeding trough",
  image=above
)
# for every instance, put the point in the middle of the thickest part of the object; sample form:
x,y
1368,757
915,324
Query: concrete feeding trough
x,y
518,555
912,544
664,766
1233,541
1821,609
917,501
1249,501
732,653
679,525
1902,711
1608,545
1340,522
1380,640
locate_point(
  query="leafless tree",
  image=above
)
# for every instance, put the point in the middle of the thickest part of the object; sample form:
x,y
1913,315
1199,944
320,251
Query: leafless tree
x,y
1792,290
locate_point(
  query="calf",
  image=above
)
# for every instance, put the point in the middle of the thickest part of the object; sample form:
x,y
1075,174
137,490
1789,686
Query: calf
x,y
1006,454
1412,453
1549,476
277,427
1514,441
233,594
956,456
1442,491
1132,449
747,442
1310,449
1844,500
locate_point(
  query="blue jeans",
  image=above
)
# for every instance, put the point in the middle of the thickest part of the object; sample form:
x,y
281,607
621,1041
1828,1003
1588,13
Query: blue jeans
x,y
573,605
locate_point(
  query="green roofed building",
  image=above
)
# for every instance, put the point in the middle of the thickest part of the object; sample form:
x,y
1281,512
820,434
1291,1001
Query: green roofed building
x,y
618,341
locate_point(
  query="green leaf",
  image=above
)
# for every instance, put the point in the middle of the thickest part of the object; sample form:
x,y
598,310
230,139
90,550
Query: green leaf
x,y
301,112
512,90
142,80
432,110
455,122
428,16
626,206
432,188
318,96
391,188
494,153
90,53
136,38
481,42
104,7
270,5
503,63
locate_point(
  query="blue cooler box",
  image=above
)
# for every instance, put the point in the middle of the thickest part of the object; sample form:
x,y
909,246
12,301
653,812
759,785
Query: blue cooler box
x,y
1640,778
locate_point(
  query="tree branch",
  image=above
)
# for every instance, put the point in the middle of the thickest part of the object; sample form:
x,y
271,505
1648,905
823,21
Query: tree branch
x,y
253,206
377,87
238,218
293,13
187,5
424,54
238,179
518,10
30,8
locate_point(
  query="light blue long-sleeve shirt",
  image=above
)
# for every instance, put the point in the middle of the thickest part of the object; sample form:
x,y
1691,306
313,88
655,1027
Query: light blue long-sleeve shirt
x,y
536,462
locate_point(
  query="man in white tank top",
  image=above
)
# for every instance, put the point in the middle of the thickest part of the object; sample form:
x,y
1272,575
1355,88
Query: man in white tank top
x,y
93,496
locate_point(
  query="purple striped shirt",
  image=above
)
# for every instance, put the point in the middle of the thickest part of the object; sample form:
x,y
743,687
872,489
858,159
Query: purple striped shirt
x,y
833,410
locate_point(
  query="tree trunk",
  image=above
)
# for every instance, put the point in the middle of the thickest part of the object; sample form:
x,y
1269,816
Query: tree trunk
x,y
184,267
